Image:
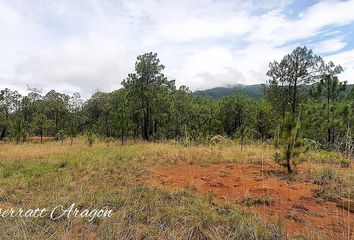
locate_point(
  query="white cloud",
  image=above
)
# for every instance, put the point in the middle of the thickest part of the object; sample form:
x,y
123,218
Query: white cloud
x,y
219,66
85,45
196,29
346,60
329,46
212,67
276,28
83,65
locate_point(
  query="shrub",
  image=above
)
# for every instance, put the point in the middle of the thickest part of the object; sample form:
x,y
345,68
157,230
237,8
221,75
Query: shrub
x,y
277,157
60,136
89,138
249,201
325,176
345,162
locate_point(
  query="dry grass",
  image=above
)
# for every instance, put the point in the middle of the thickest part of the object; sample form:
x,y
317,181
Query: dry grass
x,y
45,175
204,155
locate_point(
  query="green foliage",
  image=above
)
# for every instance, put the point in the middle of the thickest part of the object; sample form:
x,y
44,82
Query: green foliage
x,y
41,125
56,109
90,138
326,113
277,157
265,119
295,69
20,133
60,136
10,102
290,143
121,115
147,90
237,115
150,107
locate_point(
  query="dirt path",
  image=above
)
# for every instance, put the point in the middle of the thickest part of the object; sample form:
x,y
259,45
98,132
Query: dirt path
x,y
264,190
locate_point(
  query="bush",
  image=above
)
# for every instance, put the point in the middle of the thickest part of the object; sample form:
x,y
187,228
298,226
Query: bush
x,y
277,157
311,144
90,138
218,139
326,176
345,162
249,201
328,192
60,136
330,184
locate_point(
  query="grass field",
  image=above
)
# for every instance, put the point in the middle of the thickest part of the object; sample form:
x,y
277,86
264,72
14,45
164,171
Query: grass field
x,y
144,185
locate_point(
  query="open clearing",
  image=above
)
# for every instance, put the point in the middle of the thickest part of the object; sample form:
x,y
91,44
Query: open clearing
x,y
168,191
263,189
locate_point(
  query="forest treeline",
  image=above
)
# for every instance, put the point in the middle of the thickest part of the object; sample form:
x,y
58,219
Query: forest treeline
x,y
151,107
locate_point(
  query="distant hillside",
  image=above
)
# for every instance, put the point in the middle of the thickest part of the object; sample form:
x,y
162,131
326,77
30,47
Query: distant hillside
x,y
253,91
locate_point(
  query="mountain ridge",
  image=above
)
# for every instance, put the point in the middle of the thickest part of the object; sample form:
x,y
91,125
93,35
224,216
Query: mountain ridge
x,y
254,91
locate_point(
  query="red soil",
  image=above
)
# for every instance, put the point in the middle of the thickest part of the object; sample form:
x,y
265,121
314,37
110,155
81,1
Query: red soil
x,y
293,202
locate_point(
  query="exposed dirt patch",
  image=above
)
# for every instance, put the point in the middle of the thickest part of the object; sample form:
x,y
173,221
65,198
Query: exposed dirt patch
x,y
264,189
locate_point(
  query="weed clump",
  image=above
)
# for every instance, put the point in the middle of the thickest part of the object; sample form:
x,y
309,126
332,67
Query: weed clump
x,y
250,201
89,138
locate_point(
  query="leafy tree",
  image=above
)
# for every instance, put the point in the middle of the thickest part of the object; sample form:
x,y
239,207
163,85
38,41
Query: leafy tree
x,y
19,133
330,89
203,121
10,102
72,127
314,120
145,88
149,106
75,118
265,120
342,130
40,125
56,109
298,68
237,114
278,95
95,112
121,114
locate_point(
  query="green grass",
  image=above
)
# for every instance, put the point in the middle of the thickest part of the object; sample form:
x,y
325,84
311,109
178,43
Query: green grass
x,y
325,157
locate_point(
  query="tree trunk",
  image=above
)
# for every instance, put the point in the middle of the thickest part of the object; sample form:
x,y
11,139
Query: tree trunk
x,y
146,127
122,136
288,165
293,105
56,125
288,158
107,128
3,133
41,133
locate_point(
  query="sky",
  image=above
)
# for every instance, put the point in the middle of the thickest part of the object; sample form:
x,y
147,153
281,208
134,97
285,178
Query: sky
x,y
89,45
